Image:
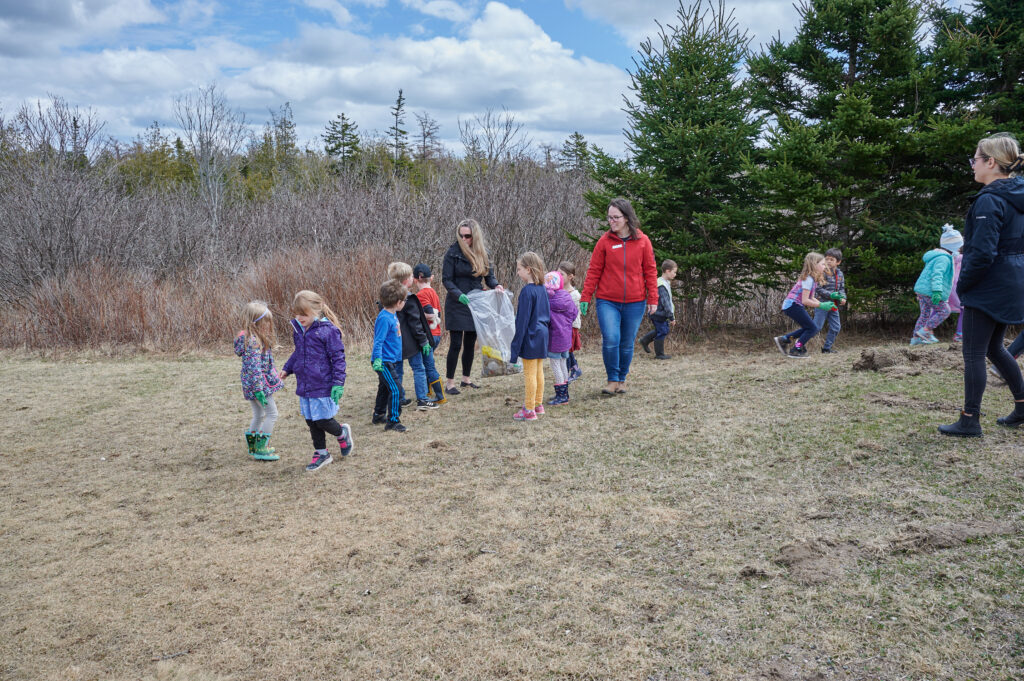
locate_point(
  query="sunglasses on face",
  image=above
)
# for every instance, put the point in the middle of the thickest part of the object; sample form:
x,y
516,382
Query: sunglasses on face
x,y
466,236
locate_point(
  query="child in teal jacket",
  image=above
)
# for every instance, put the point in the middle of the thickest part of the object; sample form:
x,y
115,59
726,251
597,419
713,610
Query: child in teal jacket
x,y
934,286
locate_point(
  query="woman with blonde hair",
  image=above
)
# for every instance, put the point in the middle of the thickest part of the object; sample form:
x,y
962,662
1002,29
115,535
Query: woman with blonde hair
x,y
991,284
466,268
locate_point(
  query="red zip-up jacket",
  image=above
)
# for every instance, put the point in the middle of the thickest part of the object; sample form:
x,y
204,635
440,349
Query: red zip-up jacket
x,y
622,271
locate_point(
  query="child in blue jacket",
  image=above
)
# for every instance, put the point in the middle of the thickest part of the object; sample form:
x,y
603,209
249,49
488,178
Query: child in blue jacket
x,y
934,286
319,367
530,342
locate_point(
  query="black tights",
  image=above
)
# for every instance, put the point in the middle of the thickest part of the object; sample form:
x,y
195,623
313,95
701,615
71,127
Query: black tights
x,y
465,340
983,337
319,430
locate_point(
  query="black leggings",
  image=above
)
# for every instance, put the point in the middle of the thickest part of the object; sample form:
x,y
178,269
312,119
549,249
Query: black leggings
x,y
983,337
465,340
319,429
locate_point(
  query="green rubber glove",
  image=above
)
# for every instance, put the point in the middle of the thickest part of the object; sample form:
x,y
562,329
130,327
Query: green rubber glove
x,y
836,295
260,397
827,306
426,350
464,299
583,308
378,364
936,297
336,393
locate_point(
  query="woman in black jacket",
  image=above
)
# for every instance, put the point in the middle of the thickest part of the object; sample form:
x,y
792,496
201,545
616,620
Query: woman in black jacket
x,y
466,268
991,284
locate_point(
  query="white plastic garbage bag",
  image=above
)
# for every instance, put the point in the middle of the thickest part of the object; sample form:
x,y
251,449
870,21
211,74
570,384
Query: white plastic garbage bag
x,y
495,321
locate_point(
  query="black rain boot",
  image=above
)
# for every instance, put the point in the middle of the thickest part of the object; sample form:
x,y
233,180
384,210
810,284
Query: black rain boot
x,y
1014,418
966,426
645,342
659,349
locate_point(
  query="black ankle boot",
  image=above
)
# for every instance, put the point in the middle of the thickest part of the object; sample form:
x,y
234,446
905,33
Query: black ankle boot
x,y
967,426
1014,418
659,349
645,342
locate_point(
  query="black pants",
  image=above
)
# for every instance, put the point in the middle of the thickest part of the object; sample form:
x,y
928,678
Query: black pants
x,y
983,337
465,340
389,394
319,430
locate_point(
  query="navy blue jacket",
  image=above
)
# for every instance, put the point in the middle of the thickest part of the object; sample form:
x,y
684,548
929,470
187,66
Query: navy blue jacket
x,y
319,359
532,321
458,278
992,270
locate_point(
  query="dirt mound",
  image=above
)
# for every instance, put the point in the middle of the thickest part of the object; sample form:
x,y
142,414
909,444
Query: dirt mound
x,y
917,539
907,362
818,560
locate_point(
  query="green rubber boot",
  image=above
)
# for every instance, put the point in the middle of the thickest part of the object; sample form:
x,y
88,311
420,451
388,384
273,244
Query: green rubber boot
x,y
261,451
250,440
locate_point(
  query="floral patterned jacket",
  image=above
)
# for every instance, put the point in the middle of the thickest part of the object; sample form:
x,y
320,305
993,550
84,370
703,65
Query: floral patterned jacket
x,y
258,372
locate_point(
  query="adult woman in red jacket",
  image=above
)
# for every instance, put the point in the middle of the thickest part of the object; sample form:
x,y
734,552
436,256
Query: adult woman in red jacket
x,y
623,277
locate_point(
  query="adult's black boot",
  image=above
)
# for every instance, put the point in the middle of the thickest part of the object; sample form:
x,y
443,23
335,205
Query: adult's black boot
x,y
1014,418
966,426
659,349
645,341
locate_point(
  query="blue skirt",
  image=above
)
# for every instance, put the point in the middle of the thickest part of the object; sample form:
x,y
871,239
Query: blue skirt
x,y
317,408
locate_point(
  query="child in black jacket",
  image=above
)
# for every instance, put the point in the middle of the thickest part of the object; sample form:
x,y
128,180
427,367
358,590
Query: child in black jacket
x,y
665,316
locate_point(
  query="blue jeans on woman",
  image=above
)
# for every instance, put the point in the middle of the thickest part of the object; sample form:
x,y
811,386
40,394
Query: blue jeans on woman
x,y
619,323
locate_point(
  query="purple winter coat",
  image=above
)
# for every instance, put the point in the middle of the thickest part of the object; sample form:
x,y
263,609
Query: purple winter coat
x,y
319,359
563,314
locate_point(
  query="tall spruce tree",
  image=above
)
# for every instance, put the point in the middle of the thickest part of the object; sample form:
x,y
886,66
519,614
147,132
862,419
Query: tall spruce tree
x,y
397,134
341,139
850,98
690,127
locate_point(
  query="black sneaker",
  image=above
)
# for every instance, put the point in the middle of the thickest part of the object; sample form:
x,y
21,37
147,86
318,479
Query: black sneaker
x,y
345,439
396,426
379,419
827,351
781,342
423,405
319,461
407,401
797,353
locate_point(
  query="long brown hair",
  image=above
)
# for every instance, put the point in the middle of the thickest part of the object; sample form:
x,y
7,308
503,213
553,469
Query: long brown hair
x,y
811,261
626,208
477,255
310,303
535,264
258,323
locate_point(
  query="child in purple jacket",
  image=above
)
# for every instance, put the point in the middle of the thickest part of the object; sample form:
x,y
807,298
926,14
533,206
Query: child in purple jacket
x,y
563,314
259,377
319,367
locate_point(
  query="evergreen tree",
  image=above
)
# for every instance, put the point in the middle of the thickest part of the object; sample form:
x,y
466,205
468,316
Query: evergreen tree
x,y
850,97
398,136
690,126
575,154
341,141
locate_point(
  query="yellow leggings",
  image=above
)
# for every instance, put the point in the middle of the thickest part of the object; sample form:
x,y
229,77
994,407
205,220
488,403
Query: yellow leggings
x,y
533,372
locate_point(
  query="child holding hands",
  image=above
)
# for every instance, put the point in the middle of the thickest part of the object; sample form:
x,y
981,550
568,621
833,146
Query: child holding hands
x,y
259,377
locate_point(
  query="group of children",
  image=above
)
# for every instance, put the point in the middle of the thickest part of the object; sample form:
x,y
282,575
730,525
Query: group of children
x,y
822,287
407,329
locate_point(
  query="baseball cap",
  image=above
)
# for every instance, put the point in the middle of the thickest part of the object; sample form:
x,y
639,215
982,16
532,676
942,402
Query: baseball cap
x,y
420,271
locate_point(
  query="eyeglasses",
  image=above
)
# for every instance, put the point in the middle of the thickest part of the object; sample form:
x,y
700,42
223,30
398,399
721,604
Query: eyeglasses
x,y
974,159
466,236
612,218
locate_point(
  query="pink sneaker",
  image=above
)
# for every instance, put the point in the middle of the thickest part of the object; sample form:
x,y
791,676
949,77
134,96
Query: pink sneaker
x,y
539,410
525,414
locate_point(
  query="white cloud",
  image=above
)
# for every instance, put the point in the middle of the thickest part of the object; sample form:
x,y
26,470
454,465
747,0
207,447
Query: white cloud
x,y
442,9
338,11
28,27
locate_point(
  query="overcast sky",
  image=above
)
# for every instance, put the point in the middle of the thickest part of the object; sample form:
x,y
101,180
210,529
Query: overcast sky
x,y
558,65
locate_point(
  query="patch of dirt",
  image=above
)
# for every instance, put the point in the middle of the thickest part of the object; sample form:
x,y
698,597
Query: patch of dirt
x,y
818,560
751,572
916,539
905,401
900,362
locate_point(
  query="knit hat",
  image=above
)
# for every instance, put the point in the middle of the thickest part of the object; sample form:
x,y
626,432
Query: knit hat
x,y
554,280
951,239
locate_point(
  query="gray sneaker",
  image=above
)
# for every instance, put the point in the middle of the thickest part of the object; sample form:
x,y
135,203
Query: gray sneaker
x,y
345,439
781,342
319,461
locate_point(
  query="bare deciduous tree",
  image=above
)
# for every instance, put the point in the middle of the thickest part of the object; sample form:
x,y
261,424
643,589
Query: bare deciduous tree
x,y
494,138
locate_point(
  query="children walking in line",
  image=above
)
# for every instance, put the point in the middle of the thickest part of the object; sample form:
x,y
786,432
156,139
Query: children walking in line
x,y
799,298
934,286
530,342
563,312
387,353
834,289
568,270
416,345
431,304
259,377
318,363
665,316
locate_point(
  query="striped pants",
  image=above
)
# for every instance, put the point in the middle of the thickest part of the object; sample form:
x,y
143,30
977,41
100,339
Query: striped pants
x,y
389,393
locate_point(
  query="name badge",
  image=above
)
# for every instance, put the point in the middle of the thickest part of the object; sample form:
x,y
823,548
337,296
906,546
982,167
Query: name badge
x,y
614,247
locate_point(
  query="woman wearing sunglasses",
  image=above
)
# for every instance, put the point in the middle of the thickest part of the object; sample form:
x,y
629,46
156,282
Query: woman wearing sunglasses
x,y
991,285
466,268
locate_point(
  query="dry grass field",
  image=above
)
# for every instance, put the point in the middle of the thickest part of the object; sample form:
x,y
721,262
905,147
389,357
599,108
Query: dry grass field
x,y
735,516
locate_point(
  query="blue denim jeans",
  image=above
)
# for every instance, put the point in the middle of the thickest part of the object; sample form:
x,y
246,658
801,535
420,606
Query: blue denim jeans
x,y
832,316
423,373
619,323
807,329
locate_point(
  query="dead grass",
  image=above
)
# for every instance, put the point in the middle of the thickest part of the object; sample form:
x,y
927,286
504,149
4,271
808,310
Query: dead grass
x,y
736,516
